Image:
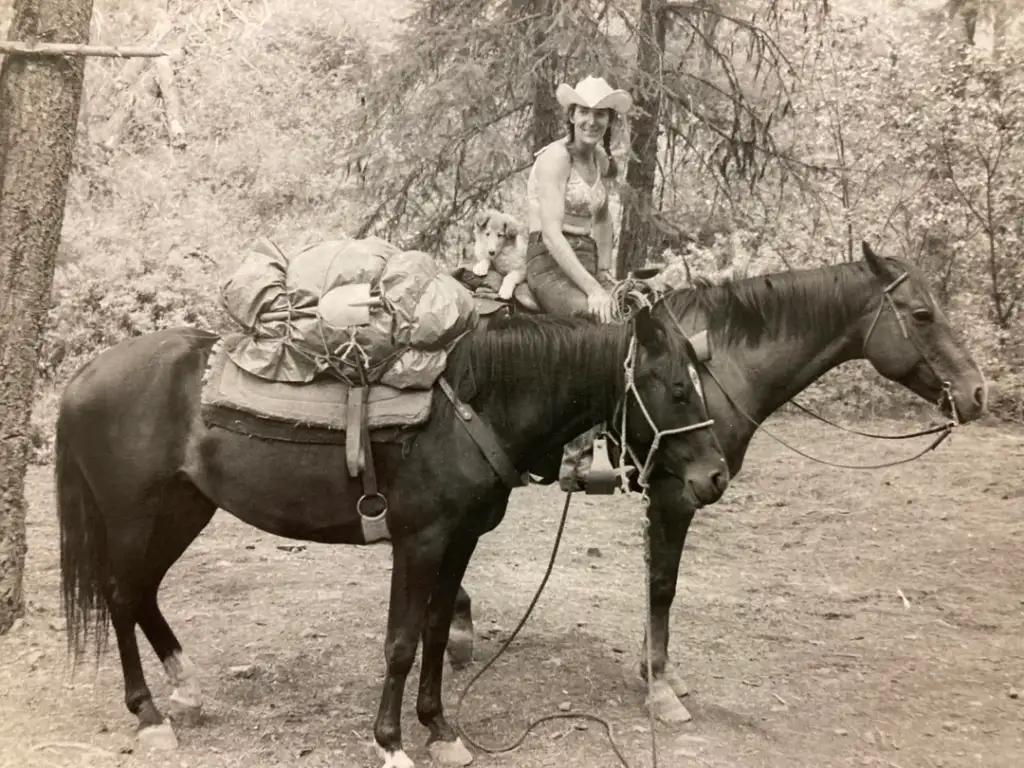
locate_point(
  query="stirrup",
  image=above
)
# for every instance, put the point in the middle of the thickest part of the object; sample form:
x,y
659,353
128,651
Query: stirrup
x,y
602,478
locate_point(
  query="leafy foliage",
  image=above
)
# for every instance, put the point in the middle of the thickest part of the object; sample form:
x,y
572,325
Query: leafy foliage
x,y
788,130
451,124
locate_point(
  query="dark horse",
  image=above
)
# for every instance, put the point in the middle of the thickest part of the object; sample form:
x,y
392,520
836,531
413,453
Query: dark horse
x,y
772,336
140,474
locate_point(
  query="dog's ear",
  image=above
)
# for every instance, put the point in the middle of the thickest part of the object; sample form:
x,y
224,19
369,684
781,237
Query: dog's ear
x,y
511,228
481,219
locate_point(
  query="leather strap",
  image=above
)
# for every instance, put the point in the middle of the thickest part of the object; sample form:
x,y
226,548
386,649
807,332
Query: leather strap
x,y
483,436
369,470
354,418
372,507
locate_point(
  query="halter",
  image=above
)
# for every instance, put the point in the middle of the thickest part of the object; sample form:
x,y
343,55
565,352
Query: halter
x,y
629,295
648,463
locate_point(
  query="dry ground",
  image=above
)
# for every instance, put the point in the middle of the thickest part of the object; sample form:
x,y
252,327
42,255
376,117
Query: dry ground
x,y
825,618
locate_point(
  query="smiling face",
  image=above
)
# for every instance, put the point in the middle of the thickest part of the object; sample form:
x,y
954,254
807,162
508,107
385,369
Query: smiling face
x,y
589,125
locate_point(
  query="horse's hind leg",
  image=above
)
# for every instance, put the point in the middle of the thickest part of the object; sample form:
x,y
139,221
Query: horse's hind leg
x,y
140,556
123,592
172,536
185,705
460,635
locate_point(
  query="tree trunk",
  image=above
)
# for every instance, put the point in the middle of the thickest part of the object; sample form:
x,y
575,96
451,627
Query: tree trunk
x,y
963,21
548,124
637,198
40,98
544,60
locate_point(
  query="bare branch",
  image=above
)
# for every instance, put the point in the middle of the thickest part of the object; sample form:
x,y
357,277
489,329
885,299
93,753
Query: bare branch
x,y
12,47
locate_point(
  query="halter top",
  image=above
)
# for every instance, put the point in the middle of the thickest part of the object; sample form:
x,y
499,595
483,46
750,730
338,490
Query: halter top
x,y
582,200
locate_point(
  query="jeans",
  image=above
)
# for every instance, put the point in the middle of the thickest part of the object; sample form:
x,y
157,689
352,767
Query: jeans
x,y
554,290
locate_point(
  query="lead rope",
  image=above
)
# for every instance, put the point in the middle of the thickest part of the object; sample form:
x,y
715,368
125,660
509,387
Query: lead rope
x,y
649,658
649,629
515,744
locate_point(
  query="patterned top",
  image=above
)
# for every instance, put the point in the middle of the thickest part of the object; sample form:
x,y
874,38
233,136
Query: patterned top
x,y
582,200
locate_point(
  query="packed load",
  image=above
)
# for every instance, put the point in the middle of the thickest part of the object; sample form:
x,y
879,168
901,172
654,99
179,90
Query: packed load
x,y
361,310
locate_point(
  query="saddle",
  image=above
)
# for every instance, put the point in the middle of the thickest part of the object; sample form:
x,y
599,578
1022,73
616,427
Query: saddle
x,y
485,294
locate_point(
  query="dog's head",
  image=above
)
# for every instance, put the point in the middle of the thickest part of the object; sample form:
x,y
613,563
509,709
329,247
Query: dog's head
x,y
493,230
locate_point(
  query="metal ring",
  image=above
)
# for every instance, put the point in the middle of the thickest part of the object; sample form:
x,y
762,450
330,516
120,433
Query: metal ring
x,y
364,498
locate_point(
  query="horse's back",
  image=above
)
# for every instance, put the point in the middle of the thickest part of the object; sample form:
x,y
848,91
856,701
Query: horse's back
x,y
132,358
137,393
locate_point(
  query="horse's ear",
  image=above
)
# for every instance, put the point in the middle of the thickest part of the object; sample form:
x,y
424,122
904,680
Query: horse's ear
x,y
875,262
648,334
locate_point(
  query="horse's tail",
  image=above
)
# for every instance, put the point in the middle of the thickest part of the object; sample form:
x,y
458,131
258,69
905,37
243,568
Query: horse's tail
x,y
83,550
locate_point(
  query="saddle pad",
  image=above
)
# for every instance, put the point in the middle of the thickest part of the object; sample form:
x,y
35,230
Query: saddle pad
x,y
321,403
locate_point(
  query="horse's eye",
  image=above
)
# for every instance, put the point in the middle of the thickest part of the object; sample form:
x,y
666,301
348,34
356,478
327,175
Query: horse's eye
x,y
680,393
923,315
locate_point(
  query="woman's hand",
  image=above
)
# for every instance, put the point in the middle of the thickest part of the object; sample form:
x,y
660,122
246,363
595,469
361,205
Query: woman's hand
x,y
600,304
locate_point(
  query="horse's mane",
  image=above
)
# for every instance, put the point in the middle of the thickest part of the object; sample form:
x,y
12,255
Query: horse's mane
x,y
779,305
541,353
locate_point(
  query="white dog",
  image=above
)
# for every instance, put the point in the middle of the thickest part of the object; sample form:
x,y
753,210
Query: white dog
x,y
499,244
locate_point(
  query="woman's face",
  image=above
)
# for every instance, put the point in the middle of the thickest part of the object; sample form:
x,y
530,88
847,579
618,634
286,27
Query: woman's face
x,y
590,124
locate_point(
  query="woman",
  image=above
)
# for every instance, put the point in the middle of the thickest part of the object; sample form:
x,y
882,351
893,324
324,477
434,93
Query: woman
x,y
567,204
570,238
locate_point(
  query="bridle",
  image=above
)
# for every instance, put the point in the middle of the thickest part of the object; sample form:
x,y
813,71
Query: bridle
x,y
887,301
942,431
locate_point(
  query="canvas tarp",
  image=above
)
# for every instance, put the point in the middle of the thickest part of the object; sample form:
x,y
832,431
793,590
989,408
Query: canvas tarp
x,y
362,309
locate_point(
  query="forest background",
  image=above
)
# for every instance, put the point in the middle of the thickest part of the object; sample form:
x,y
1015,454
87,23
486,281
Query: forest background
x,y
787,131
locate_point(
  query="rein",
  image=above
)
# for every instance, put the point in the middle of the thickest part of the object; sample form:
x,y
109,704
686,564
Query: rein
x,y
942,431
945,431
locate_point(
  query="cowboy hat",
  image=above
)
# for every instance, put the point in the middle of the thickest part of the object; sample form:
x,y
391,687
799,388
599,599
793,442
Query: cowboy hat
x,y
594,93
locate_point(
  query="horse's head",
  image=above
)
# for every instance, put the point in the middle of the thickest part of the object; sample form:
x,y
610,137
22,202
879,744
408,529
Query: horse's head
x,y
907,338
666,412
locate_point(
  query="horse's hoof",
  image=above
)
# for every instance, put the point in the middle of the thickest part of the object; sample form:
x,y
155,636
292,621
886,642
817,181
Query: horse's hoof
x,y
158,738
449,752
184,708
665,705
460,648
675,682
395,759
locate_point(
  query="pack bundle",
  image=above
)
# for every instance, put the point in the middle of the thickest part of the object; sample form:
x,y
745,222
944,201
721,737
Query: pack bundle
x,y
361,310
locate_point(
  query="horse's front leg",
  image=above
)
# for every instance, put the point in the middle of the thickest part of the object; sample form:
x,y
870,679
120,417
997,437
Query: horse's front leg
x,y
670,520
417,559
445,747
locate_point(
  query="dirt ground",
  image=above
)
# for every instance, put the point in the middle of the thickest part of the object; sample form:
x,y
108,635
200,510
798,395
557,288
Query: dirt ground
x,y
825,617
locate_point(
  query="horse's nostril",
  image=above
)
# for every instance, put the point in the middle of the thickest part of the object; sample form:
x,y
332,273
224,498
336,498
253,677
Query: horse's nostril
x,y
718,481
